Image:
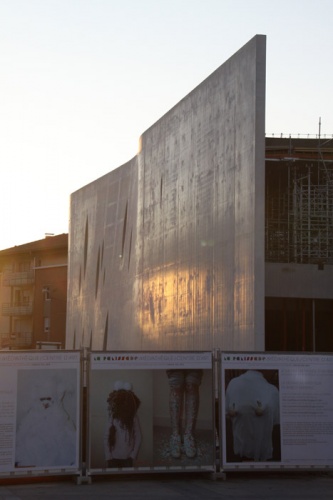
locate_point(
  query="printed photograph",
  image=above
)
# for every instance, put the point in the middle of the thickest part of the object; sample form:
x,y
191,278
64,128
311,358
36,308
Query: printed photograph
x,y
121,419
46,418
252,415
150,418
183,418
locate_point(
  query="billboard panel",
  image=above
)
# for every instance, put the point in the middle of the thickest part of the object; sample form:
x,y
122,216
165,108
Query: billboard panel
x,y
150,411
276,410
40,411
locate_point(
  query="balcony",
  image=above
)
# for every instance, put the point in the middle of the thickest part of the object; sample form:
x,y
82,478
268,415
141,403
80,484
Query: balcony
x,y
16,340
19,278
17,309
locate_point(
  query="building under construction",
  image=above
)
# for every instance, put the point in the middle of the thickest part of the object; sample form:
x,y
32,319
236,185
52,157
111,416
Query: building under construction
x,y
299,201
299,243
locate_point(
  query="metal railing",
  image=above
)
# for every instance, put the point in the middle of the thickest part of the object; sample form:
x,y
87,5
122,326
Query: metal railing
x,y
18,340
19,278
281,135
17,309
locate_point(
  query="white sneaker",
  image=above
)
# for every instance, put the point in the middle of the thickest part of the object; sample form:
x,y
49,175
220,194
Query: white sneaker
x,y
175,445
190,445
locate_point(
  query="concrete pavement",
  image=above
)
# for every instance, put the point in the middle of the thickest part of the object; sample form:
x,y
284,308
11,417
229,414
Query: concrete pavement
x,y
277,486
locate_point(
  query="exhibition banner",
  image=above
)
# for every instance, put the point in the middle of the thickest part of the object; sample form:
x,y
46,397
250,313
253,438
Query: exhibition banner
x,y
39,411
276,410
150,411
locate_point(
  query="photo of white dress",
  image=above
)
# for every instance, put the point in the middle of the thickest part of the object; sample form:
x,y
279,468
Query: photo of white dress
x,y
46,433
252,406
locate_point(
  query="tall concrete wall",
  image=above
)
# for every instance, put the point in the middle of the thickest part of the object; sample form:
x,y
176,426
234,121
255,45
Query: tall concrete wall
x,y
101,268
167,251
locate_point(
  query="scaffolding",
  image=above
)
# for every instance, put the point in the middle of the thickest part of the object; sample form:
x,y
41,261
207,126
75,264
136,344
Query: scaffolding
x,y
299,206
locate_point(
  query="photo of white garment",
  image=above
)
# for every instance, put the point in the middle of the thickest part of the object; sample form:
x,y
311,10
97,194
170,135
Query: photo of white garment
x,y
46,429
252,405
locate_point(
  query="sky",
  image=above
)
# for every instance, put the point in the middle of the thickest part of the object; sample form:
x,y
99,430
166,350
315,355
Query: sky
x,y
81,80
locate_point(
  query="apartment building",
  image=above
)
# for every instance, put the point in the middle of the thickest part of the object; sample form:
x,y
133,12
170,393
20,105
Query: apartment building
x,y
33,294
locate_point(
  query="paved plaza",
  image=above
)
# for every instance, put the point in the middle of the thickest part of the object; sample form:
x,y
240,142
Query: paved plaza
x,y
277,486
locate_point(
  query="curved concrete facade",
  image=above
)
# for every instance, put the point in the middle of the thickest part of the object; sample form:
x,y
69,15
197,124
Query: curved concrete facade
x,y
167,251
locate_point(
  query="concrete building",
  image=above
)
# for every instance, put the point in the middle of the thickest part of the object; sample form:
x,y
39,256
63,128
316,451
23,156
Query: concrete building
x,y
299,244
167,252
33,294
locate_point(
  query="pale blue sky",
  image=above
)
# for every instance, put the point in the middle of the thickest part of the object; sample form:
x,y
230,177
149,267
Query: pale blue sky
x,y
80,80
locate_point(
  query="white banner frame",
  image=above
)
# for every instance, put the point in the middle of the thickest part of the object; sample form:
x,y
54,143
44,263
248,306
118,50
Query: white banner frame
x,y
303,382
40,418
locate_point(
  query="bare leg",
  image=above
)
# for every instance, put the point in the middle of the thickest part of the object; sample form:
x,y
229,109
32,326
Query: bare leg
x,y
176,408
191,413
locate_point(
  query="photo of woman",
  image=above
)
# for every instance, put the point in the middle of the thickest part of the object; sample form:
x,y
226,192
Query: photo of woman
x,y
122,436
